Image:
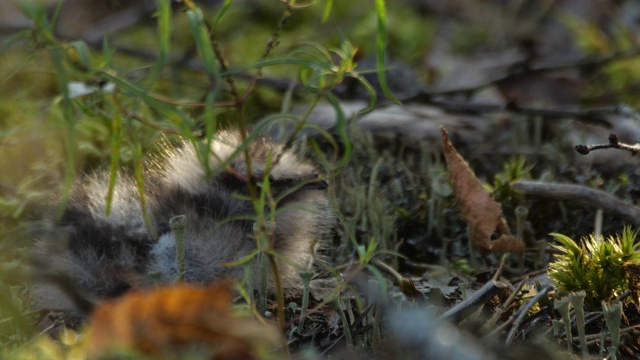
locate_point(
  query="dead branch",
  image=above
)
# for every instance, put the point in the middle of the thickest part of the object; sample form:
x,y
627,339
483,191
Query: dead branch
x,y
593,115
475,301
613,144
522,312
581,196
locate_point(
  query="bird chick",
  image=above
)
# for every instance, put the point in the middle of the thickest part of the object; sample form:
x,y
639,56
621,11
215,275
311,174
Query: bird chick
x,y
103,256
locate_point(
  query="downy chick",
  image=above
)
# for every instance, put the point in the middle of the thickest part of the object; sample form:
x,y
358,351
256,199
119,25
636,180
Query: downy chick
x,y
104,256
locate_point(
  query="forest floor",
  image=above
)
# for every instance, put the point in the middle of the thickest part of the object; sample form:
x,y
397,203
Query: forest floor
x,y
519,87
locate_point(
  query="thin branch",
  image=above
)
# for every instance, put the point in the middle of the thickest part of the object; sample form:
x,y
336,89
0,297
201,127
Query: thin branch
x,y
580,195
475,301
593,115
523,312
613,144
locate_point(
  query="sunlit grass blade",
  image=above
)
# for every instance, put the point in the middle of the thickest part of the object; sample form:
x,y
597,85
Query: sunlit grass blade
x,y
116,140
139,177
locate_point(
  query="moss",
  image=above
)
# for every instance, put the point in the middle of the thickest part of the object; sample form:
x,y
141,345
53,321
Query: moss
x,y
599,267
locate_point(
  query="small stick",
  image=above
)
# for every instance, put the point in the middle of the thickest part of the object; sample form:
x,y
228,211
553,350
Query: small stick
x,y
613,144
523,312
580,195
472,303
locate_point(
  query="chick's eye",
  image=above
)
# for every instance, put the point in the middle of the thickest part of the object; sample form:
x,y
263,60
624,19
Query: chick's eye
x,y
323,185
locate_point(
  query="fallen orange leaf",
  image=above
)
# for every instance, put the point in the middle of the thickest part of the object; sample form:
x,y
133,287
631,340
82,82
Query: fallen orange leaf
x,y
488,230
167,320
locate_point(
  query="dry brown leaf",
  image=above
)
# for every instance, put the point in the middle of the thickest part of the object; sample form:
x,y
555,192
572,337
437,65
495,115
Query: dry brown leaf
x,y
166,320
487,228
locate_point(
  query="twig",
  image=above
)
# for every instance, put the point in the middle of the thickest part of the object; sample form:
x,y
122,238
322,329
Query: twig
x,y
479,298
530,275
405,284
594,338
523,312
506,305
580,195
613,144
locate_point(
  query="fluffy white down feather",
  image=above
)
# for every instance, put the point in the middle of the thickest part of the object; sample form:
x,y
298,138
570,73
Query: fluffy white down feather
x,y
104,256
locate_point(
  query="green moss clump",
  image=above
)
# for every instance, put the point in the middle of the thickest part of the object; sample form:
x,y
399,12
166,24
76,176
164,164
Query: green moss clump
x,y
603,268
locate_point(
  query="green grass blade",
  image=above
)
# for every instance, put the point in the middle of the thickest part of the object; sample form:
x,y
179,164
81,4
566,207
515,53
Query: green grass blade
x,y
21,35
221,13
116,140
281,61
84,56
164,38
203,43
381,45
341,129
57,58
326,12
138,164
372,95
384,289
173,114
106,53
56,14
